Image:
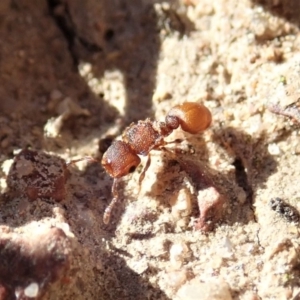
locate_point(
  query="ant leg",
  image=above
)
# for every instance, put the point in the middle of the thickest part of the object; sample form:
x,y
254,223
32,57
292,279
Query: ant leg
x,y
175,149
74,161
142,176
147,165
109,208
171,153
177,141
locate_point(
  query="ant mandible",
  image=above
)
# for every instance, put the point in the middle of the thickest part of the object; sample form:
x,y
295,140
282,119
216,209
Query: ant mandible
x,y
122,157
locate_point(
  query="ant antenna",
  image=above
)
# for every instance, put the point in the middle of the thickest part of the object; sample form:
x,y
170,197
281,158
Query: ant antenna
x,y
74,161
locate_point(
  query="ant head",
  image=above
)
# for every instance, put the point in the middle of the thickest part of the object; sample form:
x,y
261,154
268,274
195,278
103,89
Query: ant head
x,y
120,160
193,117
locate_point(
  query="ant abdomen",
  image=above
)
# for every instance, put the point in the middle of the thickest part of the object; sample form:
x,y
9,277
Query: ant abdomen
x,y
192,117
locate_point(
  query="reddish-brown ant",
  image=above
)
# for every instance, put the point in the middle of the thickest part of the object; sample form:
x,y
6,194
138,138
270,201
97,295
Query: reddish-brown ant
x,y
122,157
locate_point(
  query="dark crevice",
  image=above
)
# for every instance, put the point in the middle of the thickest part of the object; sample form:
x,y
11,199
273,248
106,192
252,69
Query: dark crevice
x,y
242,179
109,35
61,14
64,23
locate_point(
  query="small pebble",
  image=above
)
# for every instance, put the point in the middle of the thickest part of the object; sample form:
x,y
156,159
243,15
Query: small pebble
x,y
178,252
227,249
273,149
161,94
32,290
176,278
209,290
6,165
181,204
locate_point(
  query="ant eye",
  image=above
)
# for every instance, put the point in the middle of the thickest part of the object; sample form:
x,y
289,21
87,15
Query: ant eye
x,y
192,117
132,169
120,160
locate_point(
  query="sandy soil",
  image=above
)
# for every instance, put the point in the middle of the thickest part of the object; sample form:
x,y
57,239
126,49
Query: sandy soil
x,y
75,74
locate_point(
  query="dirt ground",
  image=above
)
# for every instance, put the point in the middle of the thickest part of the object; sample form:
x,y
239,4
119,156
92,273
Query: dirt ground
x,y
75,74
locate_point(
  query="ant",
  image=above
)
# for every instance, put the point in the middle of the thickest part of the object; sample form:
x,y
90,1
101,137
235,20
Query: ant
x,y
122,157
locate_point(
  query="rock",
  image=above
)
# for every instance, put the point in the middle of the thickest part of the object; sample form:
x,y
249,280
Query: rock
x,y
178,252
35,174
211,202
30,261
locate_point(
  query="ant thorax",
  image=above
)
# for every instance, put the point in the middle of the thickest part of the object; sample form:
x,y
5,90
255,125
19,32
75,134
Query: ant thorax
x,y
143,136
